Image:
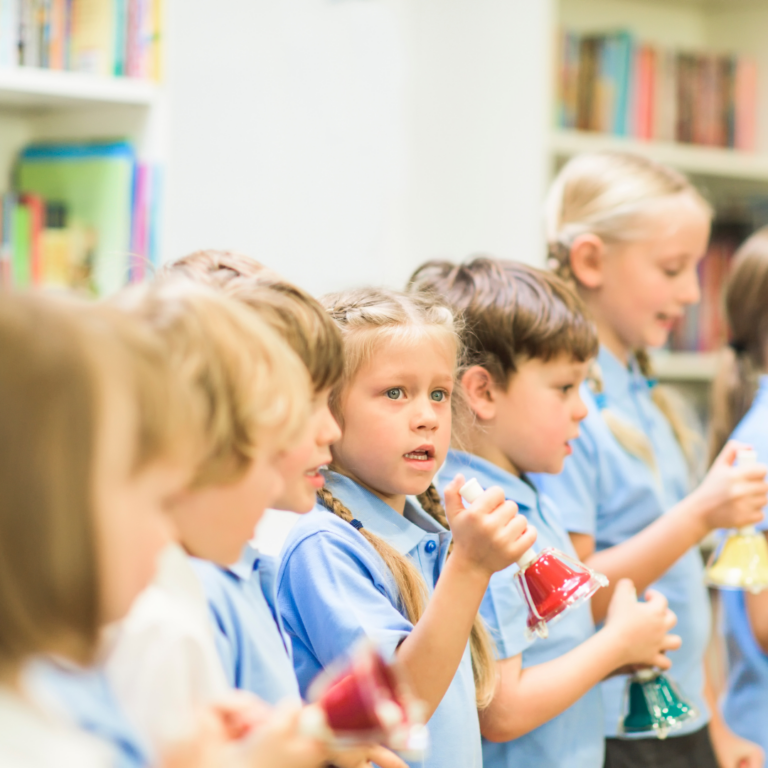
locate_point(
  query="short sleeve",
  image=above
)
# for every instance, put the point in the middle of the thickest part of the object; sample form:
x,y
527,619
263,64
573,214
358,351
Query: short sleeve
x,y
505,614
210,576
575,491
331,592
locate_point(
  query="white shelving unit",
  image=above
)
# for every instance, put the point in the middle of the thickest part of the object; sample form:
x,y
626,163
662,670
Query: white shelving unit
x,y
728,177
47,105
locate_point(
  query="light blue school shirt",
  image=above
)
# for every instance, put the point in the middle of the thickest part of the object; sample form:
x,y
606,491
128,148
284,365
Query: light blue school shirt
x,y
608,493
745,706
334,589
86,699
573,739
254,647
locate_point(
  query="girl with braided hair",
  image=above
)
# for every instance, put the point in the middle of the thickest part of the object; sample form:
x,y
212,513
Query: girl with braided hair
x,y
628,234
366,561
740,411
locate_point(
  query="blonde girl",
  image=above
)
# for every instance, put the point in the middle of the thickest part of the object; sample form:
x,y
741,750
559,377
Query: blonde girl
x,y
366,561
89,459
740,411
628,234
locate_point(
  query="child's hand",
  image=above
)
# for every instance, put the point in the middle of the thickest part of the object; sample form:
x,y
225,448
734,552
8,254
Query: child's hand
x,y
641,628
278,743
240,713
489,534
730,496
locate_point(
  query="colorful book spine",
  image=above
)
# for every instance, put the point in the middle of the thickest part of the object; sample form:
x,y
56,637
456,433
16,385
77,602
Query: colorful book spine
x,y
103,37
609,83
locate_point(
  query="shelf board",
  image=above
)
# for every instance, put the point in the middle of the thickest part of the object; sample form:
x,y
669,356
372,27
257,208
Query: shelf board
x,y
685,366
705,161
28,88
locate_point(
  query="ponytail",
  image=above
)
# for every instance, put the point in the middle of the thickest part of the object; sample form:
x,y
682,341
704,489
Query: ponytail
x,y
746,310
413,589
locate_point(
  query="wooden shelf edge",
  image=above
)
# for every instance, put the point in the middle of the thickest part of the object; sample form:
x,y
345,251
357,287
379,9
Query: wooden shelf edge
x,y
28,87
685,366
708,161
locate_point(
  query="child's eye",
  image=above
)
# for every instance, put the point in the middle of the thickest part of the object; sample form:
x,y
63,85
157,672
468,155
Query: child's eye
x,y
566,388
395,393
439,396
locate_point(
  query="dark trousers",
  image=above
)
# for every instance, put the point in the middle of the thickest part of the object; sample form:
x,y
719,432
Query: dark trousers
x,y
693,750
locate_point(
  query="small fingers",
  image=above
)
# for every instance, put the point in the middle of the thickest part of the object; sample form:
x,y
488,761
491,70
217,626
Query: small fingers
x,y
670,619
672,642
655,599
662,662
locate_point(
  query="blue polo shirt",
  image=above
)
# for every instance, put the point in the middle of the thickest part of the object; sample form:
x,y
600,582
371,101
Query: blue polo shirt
x,y
573,739
610,494
745,706
83,696
334,589
254,648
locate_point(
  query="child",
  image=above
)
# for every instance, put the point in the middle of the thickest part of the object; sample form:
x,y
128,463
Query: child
x,y
89,458
740,410
250,404
527,346
254,647
363,563
628,234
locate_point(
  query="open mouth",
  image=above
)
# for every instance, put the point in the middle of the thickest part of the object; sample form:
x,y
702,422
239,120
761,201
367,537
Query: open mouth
x,y
421,454
316,471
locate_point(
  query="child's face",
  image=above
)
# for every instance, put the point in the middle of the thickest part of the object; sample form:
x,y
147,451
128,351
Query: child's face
x,y
397,418
300,467
647,284
132,508
535,418
215,522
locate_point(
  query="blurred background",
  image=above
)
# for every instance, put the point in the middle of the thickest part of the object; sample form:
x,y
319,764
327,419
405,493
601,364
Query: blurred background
x,y
346,141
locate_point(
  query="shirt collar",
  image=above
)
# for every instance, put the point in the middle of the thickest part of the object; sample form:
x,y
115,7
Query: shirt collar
x,y
619,378
515,488
248,562
403,532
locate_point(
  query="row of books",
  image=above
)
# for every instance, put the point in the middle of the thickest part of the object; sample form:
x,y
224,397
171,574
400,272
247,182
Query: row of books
x,y
81,216
612,83
101,37
704,327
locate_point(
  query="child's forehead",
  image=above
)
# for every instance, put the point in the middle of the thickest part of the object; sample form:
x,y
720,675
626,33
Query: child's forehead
x,y
421,349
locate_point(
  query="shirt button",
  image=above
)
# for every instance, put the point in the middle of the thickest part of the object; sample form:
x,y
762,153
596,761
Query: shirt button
x,y
430,547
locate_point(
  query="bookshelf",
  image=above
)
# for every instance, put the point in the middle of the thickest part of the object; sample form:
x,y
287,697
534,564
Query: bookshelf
x,y
32,89
735,181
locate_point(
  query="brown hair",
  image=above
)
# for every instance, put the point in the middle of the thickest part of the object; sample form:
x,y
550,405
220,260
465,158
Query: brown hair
x,y
56,357
609,194
242,378
511,312
367,318
746,307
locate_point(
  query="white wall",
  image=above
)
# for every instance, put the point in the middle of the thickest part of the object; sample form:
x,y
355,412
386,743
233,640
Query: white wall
x,y
345,141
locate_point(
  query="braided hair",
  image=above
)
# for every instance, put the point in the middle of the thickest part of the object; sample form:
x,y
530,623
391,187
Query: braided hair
x,y
393,315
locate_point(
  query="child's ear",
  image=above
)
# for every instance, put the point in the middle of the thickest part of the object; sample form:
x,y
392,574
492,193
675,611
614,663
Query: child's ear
x,y
478,388
587,252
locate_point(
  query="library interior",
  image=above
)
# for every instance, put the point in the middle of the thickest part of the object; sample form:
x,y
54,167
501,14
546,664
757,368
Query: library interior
x,y
526,241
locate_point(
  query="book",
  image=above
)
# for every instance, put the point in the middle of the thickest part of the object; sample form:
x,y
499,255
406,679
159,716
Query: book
x,y
612,83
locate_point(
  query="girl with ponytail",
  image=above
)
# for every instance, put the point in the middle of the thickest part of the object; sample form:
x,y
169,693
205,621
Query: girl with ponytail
x,y
740,411
627,234
366,561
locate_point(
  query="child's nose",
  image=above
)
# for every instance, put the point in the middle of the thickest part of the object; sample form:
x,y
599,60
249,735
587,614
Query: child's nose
x,y
580,411
690,293
425,416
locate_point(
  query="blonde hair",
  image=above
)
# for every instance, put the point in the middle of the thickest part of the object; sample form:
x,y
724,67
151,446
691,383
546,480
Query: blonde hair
x,y
243,380
746,307
56,359
215,267
610,194
369,318
291,311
